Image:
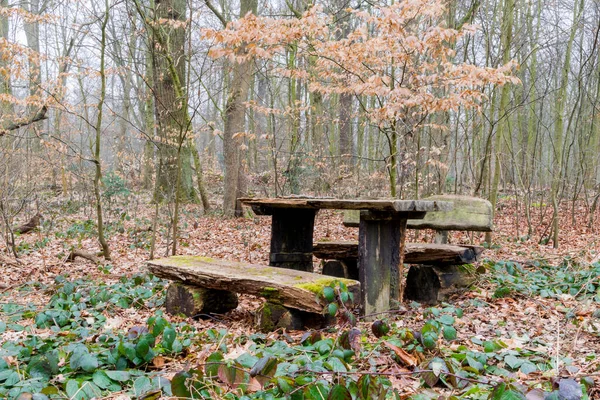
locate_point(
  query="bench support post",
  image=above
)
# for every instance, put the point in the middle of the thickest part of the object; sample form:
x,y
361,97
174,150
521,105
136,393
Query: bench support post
x,y
292,238
380,237
272,316
193,301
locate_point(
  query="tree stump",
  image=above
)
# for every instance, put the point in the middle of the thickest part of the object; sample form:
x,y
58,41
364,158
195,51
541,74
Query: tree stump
x,y
192,301
272,316
429,284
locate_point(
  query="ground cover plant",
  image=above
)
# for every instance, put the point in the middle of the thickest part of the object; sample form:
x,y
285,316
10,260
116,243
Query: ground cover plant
x,y
529,328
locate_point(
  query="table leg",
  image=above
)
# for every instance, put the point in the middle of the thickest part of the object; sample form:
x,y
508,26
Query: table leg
x,y
379,260
292,238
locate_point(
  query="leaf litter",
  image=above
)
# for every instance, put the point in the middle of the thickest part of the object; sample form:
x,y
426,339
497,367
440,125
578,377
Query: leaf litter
x,y
537,341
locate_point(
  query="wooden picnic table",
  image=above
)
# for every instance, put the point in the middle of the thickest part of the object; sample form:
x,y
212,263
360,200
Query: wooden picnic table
x,y
382,233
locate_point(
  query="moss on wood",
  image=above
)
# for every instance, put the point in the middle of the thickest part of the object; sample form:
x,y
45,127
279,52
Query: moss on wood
x,y
317,286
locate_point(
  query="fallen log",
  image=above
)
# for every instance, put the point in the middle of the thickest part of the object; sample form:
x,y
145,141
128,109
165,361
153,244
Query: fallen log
x,y
32,224
83,254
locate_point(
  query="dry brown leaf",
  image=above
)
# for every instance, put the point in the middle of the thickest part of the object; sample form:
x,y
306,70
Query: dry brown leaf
x,y
159,361
403,356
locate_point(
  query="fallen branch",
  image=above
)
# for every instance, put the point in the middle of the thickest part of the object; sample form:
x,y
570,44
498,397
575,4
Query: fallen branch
x,y
30,225
83,254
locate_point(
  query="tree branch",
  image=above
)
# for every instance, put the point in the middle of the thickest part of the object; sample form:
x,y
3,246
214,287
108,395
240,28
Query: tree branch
x,y
39,116
217,13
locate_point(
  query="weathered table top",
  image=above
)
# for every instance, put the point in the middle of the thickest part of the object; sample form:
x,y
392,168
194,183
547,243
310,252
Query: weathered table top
x,y
264,205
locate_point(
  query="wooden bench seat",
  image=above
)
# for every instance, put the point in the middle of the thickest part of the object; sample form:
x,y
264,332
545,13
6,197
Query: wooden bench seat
x,y
414,253
468,214
286,290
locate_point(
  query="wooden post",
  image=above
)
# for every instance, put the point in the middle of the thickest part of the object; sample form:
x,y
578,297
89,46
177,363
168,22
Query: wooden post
x,y
378,260
292,238
441,237
379,247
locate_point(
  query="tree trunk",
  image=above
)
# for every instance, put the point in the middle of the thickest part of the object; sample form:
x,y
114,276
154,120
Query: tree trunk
x,y
175,177
559,135
98,131
346,143
235,118
147,109
503,120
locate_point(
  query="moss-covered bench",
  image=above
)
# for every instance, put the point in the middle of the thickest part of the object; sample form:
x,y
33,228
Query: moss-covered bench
x,y
437,267
205,285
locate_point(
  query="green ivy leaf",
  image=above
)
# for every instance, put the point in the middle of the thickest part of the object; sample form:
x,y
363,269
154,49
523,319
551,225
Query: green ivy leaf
x,y
119,376
127,350
528,367
317,391
369,387
328,294
232,375
429,339
82,359
489,346
142,385
247,360
264,369
285,384
212,364
90,390
101,379
43,366
179,385
503,392
512,361
344,297
332,309
339,392
449,333
169,336
142,348
72,387
475,364
446,319
336,365
158,326
380,328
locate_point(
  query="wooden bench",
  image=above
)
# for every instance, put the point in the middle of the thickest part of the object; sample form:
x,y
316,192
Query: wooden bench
x,y
204,285
437,268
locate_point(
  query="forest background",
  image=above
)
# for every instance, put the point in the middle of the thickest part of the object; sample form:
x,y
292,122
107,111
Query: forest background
x,y
144,96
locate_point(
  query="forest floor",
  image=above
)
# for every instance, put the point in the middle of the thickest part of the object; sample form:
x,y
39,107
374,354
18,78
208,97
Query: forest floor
x,y
530,325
